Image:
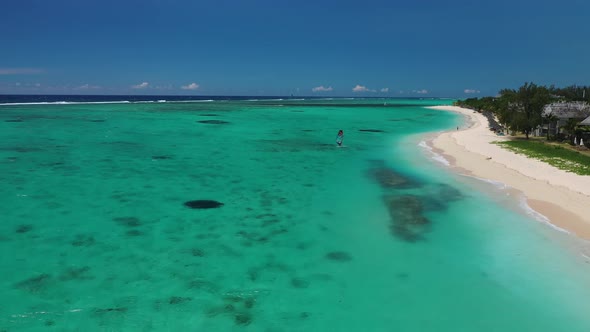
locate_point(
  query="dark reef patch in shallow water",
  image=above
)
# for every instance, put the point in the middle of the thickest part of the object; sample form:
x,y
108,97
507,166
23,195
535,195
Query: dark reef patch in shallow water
x,y
208,114
407,221
133,233
15,120
179,299
389,178
372,130
83,240
197,252
161,157
21,149
299,283
339,256
203,285
128,221
97,120
73,273
35,284
239,307
439,196
218,122
23,229
242,318
101,311
203,204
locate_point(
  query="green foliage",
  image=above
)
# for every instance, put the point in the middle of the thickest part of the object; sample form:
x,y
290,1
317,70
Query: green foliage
x,y
522,109
567,160
526,105
572,93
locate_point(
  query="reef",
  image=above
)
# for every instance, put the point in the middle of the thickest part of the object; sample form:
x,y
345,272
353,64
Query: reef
x,y
203,204
218,122
387,178
128,221
339,256
407,219
372,130
24,229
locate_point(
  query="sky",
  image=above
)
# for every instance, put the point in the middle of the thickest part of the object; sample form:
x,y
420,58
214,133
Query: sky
x,y
369,48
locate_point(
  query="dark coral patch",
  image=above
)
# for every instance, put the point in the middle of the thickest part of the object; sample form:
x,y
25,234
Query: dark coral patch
x,y
213,122
203,204
73,273
24,229
197,252
15,120
35,284
128,221
407,219
134,232
119,310
389,178
97,120
242,318
339,256
203,285
179,300
161,157
299,283
372,130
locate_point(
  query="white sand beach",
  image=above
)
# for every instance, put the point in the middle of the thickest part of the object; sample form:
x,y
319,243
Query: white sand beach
x,y
562,197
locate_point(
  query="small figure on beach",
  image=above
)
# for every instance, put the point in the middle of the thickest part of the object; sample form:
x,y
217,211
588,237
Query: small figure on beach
x,y
339,137
457,128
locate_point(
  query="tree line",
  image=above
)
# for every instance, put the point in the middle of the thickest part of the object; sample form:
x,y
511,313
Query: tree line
x,y
521,109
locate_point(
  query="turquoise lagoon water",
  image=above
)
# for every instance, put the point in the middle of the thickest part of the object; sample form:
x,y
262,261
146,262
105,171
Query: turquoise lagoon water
x,y
373,236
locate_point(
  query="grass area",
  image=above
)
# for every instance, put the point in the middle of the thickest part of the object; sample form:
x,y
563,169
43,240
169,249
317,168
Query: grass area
x,y
562,158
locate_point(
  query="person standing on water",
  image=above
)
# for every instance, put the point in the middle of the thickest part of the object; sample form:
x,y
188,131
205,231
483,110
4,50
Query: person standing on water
x,y
340,137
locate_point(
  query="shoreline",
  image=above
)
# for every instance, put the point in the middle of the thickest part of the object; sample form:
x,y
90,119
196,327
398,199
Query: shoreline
x,y
562,197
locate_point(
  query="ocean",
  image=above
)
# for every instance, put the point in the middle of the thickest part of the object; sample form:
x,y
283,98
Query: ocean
x,y
158,213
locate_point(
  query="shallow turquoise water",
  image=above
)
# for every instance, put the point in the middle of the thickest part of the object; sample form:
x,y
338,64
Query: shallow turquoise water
x,y
374,236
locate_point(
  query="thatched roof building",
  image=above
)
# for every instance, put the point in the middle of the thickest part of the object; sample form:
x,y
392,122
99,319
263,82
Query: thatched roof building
x,y
569,110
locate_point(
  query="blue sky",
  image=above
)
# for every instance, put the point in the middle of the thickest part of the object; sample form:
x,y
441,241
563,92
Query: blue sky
x,y
454,48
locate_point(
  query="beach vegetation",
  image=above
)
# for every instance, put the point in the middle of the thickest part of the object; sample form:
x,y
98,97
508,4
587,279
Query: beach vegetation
x,y
553,154
521,110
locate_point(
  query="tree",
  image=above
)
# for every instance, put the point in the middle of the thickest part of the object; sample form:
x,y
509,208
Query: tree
x,y
529,101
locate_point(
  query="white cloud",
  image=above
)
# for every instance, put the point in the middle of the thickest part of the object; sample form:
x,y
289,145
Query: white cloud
x,y
322,88
422,92
385,90
141,85
471,91
192,86
20,71
360,88
87,87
